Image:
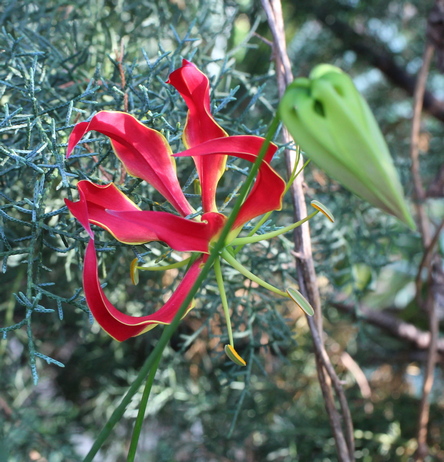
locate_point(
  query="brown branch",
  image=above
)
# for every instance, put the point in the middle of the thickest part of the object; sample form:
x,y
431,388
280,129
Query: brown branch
x,y
424,408
414,145
429,306
378,56
426,261
304,261
326,363
436,187
119,59
393,325
355,370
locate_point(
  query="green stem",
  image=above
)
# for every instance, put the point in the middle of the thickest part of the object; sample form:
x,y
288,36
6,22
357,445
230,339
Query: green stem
x,y
259,224
278,232
170,329
179,264
248,274
287,187
293,176
141,413
296,174
223,297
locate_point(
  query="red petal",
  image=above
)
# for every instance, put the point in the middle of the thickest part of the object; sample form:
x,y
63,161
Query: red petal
x,y
119,325
267,192
238,144
194,87
179,233
92,207
144,152
80,210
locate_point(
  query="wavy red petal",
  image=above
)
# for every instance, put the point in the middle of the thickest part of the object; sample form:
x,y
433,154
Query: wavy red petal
x,y
268,189
194,87
80,210
179,233
144,152
122,326
76,135
92,207
238,144
265,196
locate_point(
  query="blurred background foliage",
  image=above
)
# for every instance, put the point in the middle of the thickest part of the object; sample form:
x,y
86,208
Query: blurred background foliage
x,y
61,377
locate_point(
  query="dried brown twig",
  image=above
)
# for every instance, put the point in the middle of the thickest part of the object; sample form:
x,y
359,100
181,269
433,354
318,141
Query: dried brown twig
x,y
119,59
429,303
396,327
306,275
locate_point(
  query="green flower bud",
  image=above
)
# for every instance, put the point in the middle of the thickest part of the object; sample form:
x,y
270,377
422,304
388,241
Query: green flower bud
x,y
332,123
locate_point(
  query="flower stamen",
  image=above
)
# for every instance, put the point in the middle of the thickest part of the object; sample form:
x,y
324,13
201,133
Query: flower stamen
x,y
134,269
229,349
226,255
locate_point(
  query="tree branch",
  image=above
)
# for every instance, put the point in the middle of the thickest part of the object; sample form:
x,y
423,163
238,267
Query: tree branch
x,y
391,324
378,56
304,260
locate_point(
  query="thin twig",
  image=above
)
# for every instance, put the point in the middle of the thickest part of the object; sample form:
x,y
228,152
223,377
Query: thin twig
x,y
424,407
304,260
347,446
424,227
355,370
404,331
414,145
426,260
119,58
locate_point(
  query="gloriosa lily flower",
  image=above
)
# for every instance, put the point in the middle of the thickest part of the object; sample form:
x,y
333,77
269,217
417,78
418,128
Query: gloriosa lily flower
x,y
145,154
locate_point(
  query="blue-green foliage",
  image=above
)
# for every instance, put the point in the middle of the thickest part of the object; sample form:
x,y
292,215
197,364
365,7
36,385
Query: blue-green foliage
x,y
60,62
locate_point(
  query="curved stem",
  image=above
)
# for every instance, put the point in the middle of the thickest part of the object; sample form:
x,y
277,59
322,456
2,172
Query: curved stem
x,y
304,260
223,297
293,176
170,329
141,413
248,274
278,232
179,264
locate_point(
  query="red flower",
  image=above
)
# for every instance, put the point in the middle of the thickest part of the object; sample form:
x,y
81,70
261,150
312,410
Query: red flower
x,y
146,154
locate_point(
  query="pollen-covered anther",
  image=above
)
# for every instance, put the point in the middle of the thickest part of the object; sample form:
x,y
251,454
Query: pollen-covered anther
x,y
300,301
323,209
134,273
234,355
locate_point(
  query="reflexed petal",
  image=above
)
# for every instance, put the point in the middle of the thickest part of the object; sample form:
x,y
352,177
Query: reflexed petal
x,y
122,326
80,210
246,144
179,233
200,126
92,207
144,152
268,189
194,87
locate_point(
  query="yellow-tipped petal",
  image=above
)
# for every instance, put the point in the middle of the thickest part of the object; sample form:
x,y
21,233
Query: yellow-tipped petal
x,y
301,301
323,209
234,356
